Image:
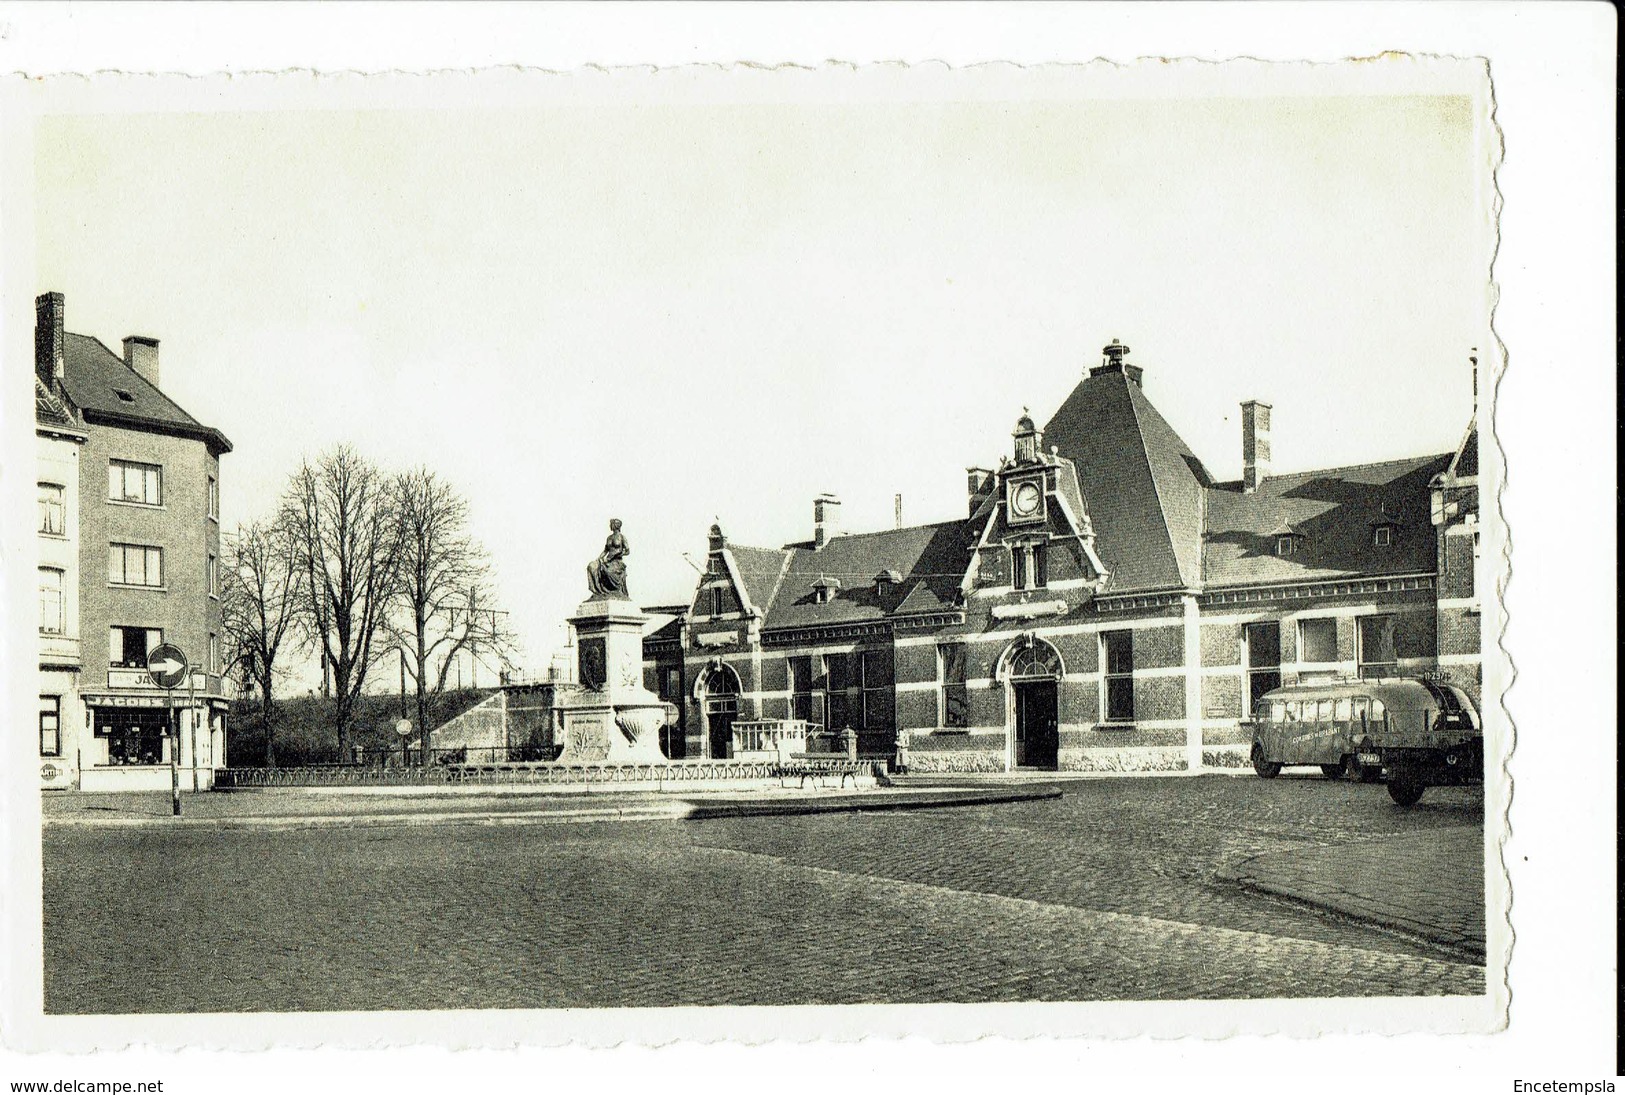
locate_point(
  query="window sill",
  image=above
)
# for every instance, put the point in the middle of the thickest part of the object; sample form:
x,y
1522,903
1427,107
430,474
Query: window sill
x,y
148,589
1116,727
49,535
127,504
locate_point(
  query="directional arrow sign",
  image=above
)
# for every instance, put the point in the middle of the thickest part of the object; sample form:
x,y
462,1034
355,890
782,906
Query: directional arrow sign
x,y
166,665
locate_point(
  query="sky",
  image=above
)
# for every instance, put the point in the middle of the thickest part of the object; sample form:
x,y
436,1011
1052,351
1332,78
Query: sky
x,y
674,313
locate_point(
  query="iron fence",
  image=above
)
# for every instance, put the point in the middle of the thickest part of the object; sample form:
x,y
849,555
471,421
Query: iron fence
x,y
506,772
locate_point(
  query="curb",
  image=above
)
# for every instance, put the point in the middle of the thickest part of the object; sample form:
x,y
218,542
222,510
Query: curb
x,y
679,810
1236,874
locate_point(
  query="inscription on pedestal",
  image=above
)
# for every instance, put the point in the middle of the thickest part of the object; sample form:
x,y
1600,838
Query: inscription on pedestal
x,y
591,663
586,739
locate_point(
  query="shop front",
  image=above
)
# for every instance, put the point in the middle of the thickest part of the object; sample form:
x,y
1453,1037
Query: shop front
x,y
129,742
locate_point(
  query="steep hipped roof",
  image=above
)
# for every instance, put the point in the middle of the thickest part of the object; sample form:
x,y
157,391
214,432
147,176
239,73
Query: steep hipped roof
x,y
1334,511
1141,483
931,559
106,389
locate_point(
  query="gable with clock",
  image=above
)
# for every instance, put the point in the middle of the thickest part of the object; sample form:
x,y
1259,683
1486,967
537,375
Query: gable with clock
x,y
1035,552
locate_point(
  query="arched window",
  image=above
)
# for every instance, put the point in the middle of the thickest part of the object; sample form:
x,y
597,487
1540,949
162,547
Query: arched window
x,y
1033,659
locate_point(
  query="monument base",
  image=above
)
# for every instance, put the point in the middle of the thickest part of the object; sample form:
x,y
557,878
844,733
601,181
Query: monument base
x,y
613,719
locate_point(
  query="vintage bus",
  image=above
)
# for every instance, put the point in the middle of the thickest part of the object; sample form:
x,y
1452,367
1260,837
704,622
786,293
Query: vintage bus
x,y
1416,732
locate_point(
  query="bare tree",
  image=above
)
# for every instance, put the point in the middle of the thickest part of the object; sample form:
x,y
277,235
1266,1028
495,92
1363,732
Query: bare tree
x,y
341,511
262,591
444,596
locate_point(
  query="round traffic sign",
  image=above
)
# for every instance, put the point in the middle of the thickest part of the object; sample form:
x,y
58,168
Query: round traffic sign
x,y
403,727
166,665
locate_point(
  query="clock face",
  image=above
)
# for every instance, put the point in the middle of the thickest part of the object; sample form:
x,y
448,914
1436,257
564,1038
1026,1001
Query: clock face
x,y
1025,500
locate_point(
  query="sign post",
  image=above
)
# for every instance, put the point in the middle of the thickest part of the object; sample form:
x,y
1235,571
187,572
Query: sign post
x,y
167,666
403,727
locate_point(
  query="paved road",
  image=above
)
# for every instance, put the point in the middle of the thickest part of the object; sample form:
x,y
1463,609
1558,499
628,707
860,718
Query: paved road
x,y
1106,893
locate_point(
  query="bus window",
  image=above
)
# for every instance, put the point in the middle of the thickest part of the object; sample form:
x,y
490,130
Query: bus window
x,y
1277,711
1342,714
1378,712
1362,708
1325,712
1294,710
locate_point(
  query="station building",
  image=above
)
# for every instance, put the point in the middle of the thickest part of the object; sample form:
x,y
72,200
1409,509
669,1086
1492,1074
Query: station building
x,y
1104,604
129,558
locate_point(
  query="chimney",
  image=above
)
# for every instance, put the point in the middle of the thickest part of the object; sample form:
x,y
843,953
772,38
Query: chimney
x,y
1474,361
826,519
978,484
899,508
1255,444
141,355
48,337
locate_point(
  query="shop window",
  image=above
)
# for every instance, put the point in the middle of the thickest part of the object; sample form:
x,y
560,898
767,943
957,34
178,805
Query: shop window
x,y
1117,655
954,712
52,509
142,484
50,726
134,735
1317,640
135,565
52,619
1263,661
128,646
1377,655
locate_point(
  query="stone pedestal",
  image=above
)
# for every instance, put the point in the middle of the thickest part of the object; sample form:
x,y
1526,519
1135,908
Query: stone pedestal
x,y
613,719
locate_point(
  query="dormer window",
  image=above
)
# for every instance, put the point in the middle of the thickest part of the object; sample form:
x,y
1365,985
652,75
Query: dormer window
x,y
824,590
1288,538
124,395
887,578
1382,535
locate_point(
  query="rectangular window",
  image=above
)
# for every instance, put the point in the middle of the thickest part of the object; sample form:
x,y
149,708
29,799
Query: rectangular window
x,y
879,692
1317,640
951,677
1018,567
131,482
1362,709
214,498
1382,536
1377,655
1117,654
1472,571
1040,566
1283,545
1263,660
135,565
214,652
800,671
211,576
836,675
52,619
52,509
1341,713
1323,712
50,726
127,647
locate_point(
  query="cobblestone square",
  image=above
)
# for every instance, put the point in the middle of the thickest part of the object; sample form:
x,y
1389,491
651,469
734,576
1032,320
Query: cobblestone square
x,y
1115,890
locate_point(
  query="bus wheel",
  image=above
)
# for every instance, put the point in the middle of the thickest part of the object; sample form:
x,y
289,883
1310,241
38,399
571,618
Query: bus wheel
x,y
1264,768
1405,790
1332,771
1354,770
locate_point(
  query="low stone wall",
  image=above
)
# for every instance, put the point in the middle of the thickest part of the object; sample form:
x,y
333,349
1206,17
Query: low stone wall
x,y
1227,756
1125,759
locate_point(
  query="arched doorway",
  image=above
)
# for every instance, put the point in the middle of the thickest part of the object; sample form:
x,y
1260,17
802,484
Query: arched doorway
x,y
1032,672
718,693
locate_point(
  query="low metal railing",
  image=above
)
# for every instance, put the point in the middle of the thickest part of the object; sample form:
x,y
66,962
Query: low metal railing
x,y
518,772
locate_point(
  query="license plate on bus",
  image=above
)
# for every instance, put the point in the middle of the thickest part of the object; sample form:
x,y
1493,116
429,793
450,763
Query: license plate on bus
x,y
1370,758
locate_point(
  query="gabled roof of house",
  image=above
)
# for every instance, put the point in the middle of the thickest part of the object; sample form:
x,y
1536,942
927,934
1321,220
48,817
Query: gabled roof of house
x,y
1142,485
1334,510
52,411
930,558
106,389
1465,462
